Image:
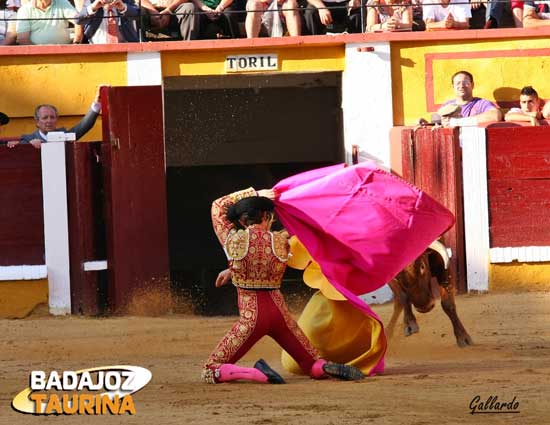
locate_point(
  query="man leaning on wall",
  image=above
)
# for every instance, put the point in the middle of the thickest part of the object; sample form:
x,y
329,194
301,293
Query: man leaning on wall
x,y
474,110
46,121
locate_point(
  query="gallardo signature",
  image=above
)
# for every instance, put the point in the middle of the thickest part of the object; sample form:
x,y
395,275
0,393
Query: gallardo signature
x,y
492,405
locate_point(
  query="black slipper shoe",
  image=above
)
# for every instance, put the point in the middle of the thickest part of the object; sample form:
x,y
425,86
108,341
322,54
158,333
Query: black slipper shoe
x,y
272,376
343,371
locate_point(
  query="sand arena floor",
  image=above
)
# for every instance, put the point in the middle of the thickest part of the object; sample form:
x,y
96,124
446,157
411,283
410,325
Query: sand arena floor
x,y
428,379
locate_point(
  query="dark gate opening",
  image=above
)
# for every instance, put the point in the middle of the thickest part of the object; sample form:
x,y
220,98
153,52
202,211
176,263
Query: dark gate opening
x,y
227,134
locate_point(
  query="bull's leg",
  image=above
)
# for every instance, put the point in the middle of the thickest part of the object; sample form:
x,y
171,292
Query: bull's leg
x,y
411,326
397,309
449,307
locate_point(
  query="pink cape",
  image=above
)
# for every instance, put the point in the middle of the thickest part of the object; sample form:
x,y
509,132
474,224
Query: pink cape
x,y
361,224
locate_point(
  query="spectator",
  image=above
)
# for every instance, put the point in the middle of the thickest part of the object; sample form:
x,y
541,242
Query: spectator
x,y
8,14
498,12
155,25
108,21
256,8
536,14
446,14
334,16
530,109
517,12
45,22
46,121
383,16
473,109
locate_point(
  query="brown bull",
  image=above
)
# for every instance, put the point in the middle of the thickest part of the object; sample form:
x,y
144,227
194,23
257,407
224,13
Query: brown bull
x,y
412,286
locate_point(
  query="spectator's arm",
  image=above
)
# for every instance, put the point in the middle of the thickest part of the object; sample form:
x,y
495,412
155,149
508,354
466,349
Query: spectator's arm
x,y
173,5
546,110
406,19
324,14
521,116
494,114
24,37
373,23
532,20
10,38
148,5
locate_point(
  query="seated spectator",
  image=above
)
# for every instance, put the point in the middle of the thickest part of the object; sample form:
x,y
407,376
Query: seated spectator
x,y
45,22
536,14
530,109
8,15
517,12
383,16
473,109
156,26
446,14
256,8
215,21
108,21
46,120
334,16
499,13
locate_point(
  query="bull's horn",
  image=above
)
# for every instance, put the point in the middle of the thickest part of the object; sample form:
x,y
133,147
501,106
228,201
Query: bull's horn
x,y
442,251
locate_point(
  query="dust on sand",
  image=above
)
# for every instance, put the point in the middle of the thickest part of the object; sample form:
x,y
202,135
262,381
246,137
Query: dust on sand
x,y
428,379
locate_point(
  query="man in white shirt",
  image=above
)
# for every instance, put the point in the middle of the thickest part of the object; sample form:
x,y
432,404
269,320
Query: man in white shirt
x,y
446,14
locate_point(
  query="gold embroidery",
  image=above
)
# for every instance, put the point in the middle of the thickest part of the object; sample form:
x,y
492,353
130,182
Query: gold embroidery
x,y
261,267
239,333
237,245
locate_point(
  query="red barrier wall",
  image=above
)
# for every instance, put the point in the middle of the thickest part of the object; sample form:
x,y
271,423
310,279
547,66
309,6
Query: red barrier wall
x,y
21,216
518,172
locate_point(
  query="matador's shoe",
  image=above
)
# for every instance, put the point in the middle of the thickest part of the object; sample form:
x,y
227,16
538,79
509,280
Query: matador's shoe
x,y
272,376
343,371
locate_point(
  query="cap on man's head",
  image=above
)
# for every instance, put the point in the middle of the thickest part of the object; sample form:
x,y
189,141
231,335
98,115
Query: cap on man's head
x,y
249,205
448,110
4,119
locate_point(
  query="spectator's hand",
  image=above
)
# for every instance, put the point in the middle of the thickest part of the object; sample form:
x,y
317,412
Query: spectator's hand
x,y
12,143
353,4
36,143
223,278
97,4
219,9
210,13
449,21
391,24
475,5
119,5
325,16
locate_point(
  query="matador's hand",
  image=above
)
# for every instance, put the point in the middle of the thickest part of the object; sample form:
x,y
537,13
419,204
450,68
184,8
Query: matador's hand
x,y
223,278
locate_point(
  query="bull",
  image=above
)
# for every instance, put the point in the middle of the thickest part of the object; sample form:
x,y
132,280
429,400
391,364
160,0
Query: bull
x,y
412,287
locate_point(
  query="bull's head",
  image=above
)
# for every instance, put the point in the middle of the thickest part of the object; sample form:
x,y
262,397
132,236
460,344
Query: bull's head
x,y
415,280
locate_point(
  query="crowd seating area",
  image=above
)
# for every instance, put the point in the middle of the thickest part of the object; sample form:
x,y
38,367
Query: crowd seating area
x,y
118,21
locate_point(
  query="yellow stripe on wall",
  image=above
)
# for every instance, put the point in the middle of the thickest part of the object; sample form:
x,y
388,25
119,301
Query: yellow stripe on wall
x,y
67,81
300,59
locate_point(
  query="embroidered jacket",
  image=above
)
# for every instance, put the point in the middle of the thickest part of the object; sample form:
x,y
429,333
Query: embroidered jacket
x,y
257,258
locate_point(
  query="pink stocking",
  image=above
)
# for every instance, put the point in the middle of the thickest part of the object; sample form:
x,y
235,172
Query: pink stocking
x,y
230,372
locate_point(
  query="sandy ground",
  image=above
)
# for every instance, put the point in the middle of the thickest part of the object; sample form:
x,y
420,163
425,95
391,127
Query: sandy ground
x,y
428,379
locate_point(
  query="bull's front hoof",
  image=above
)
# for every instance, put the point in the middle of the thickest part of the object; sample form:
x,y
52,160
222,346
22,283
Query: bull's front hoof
x,y
464,341
411,328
